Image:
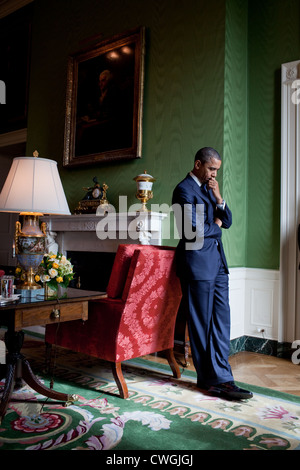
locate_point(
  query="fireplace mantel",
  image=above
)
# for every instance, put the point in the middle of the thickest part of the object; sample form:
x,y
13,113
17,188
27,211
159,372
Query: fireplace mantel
x,y
103,233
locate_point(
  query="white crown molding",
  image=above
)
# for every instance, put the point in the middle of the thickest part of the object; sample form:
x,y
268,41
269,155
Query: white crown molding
x,y
14,137
9,6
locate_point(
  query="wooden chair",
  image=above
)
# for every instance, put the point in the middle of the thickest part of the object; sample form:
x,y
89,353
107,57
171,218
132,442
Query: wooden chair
x,y
138,316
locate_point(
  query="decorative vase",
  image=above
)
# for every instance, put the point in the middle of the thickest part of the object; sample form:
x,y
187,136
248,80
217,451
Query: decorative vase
x,y
61,292
49,292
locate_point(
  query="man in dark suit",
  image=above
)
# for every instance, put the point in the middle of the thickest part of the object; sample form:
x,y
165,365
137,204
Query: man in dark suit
x,y
200,212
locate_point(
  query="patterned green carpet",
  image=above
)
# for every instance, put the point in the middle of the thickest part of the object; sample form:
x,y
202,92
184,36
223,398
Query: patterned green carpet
x,y
162,413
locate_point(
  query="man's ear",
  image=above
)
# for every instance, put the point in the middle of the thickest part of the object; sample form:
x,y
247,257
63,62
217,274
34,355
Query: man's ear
x,y
197,164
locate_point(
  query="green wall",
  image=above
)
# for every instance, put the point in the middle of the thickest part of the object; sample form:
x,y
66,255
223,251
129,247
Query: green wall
x,y
183,96
235,153
274,38
212,77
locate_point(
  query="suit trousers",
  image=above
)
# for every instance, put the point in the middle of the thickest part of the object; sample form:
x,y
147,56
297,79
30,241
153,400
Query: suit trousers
x,y
208,314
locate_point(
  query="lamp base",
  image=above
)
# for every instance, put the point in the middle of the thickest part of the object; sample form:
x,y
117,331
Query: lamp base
x,y
30,249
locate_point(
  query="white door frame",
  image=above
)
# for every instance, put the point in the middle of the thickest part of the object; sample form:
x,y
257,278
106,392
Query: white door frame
x,y
289,309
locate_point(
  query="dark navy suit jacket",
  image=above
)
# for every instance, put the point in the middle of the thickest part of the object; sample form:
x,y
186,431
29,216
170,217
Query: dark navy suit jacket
x,y
202,263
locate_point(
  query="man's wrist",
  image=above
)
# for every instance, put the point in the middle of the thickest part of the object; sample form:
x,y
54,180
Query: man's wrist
x,y
221,204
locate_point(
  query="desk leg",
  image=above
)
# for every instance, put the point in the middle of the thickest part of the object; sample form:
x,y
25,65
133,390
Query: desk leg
x,y
36,385
17,368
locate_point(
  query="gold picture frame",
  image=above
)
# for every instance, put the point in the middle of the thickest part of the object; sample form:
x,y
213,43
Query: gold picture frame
x,y
104,103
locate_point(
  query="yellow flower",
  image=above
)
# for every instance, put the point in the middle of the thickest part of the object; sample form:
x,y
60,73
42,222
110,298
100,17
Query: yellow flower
x,y
55,265
52,256
37,278
59,279
18,270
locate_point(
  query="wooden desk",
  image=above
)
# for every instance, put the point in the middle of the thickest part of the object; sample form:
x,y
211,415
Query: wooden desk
x,y
31,312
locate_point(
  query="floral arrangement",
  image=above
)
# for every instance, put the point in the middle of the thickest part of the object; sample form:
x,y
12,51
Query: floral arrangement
x,y
55,270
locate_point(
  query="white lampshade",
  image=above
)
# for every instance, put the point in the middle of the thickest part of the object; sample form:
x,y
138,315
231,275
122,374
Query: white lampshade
x,y
33,185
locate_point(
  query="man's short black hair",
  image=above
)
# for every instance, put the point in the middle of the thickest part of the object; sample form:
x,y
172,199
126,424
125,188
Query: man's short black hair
x,y
206,154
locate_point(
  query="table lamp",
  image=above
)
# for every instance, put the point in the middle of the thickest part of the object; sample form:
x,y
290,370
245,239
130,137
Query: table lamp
x,y
32,188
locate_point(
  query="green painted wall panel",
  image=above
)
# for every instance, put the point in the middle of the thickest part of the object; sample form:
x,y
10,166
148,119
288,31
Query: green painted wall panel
x,y
235,130
212,77
274,38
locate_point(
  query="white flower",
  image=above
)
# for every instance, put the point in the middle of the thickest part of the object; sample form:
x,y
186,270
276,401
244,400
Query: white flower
x,y
45,277
53,272
64,261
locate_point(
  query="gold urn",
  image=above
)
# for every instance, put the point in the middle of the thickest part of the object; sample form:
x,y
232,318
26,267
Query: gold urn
x,y
144,183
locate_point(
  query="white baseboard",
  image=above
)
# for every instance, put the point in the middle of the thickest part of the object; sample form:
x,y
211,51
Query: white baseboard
x,y
254,302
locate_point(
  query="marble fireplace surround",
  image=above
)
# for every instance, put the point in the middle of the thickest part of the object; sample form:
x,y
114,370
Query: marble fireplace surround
x,y
103,233
91,240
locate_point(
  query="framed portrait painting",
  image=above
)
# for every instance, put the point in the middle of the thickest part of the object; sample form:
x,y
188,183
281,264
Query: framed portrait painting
x,y
104,103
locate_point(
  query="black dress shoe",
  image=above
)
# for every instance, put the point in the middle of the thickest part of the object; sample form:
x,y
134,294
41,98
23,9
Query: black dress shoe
x,y
229,390
202,386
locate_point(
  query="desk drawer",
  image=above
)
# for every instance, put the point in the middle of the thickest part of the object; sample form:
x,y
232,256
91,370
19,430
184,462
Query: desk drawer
x,y
51,314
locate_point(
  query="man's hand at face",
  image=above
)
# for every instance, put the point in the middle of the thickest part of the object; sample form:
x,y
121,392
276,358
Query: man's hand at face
x,y
214,186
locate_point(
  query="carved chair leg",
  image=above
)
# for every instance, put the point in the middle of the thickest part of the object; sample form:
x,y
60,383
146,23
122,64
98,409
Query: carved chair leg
x,y
173,363
119,378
